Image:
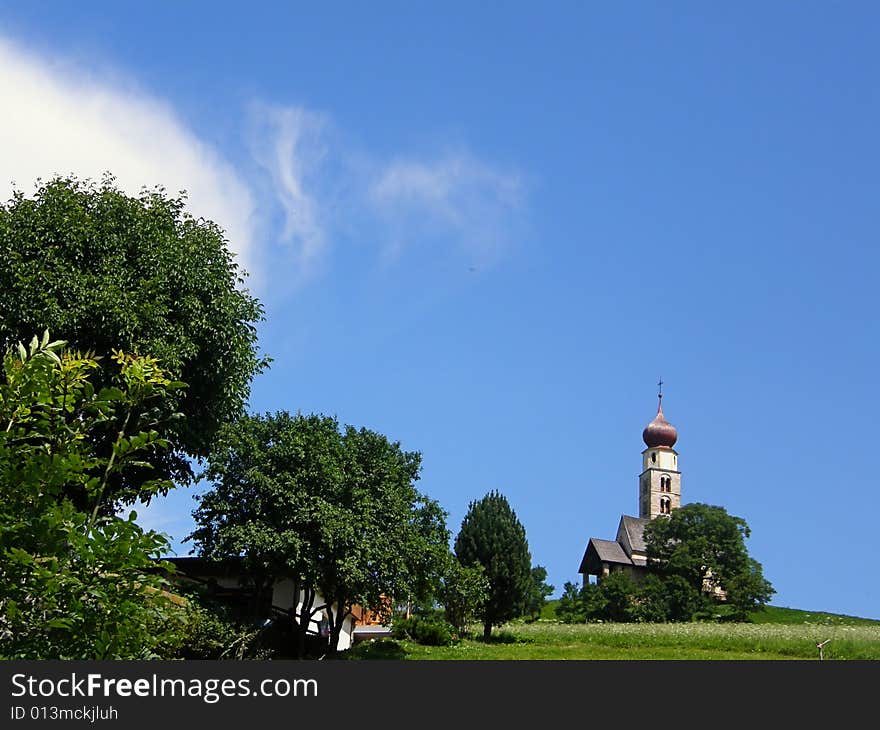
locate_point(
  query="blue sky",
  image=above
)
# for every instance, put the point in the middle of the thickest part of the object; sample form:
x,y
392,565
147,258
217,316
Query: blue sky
x,y
487,231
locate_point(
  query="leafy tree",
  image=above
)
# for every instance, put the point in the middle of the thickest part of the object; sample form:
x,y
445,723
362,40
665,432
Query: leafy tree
x,y
429,556
139,274
463,593
668,598
705,546
614,598
747,591
537,594
334,510
492,536
78,584
572,608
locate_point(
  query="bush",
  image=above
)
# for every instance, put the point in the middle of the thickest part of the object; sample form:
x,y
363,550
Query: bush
x,y
427,631
212,632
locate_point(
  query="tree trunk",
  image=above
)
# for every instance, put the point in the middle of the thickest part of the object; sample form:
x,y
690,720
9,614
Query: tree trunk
x,y
487,630
336,627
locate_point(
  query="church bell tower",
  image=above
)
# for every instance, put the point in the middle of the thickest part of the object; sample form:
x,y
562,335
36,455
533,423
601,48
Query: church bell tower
x,y
660,480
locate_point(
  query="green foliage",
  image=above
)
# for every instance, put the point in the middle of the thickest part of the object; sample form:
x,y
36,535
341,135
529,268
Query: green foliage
x,y
617,598
429,631
705,547
613,599
667,598
492,536
210,631
139,274
747,591
78,584
464,591
537,594
571,607
336,510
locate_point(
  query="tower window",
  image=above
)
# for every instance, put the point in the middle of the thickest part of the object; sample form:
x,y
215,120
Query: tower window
x,y
653,457
665,483
665,505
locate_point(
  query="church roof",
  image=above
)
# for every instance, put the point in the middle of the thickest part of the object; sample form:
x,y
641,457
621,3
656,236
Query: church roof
x,y
635,531
607,551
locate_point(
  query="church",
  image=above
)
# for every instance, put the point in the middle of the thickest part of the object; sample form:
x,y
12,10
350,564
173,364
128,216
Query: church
x,y
659,494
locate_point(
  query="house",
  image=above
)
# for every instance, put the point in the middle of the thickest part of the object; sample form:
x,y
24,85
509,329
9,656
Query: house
x,y
223,582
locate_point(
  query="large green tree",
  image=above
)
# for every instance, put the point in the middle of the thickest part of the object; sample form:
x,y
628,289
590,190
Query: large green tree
x,y
334,509
140,274
705,546
491,535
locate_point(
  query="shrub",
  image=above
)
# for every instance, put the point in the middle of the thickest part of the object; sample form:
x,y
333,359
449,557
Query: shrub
x,y
427,631
211,632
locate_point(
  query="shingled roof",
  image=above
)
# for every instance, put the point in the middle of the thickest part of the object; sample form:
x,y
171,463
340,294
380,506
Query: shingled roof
x,y
634,527
604,551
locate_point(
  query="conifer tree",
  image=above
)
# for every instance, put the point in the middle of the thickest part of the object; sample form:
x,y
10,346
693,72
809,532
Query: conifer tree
x,y
492,536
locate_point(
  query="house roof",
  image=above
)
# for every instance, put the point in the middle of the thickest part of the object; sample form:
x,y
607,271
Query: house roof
x,y
197,567
605,551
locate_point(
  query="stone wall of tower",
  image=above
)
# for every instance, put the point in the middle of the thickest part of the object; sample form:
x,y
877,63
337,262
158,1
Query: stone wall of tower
x,y
659,483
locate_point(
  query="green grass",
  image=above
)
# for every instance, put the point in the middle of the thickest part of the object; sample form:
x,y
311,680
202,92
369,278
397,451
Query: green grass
x,y
790,616
776,633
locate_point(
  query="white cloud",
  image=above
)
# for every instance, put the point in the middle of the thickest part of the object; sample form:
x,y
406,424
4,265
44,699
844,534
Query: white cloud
x,y
456,197
288,143
328,191
58,119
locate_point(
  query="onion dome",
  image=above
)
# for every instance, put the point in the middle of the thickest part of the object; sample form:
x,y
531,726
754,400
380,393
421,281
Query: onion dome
x,y
660,432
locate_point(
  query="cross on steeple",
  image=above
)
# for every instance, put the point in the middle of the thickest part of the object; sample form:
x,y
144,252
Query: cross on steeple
x,y
660,386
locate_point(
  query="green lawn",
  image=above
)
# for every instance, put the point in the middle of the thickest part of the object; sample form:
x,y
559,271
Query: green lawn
x,y
776,633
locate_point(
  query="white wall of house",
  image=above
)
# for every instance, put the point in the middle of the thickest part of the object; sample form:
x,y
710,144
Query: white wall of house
x,y
283,597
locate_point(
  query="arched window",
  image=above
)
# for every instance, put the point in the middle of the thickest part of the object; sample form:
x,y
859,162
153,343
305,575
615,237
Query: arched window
x,y
665,505
665,483
653,457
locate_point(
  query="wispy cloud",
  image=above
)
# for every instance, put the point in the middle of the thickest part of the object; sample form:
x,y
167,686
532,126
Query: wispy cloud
x,y
289,144
59,118
456,197
326,189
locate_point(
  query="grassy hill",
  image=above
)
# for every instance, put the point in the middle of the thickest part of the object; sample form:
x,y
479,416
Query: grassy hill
x,y
775,633
790,616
